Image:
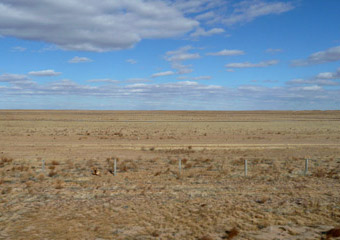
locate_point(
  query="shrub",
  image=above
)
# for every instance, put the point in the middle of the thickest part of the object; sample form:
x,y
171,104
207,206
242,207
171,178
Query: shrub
x,y
54,162
52,173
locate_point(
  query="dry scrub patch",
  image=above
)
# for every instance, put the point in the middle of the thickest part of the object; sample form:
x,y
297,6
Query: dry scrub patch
x,y
76,196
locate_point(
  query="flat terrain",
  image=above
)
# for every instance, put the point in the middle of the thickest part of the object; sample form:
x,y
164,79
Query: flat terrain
x,y
149,198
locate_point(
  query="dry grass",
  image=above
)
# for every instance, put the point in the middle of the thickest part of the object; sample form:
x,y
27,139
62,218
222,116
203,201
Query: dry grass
x,y
149,199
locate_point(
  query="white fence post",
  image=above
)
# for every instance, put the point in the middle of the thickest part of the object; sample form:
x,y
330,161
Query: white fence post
x,y
43,166
306,166
180,166
245,167
115,167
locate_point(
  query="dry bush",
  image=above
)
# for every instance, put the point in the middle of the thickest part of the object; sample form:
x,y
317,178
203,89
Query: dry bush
x,y
173,161
126,165
2,181
54,162
41,177
52,173
4,160
184,160
188,165
207,237
231,233
70,164
21,168
89,163
6,190
52,167
58,184
321,172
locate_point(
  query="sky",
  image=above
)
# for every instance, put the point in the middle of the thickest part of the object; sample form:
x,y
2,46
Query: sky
x,y
170,54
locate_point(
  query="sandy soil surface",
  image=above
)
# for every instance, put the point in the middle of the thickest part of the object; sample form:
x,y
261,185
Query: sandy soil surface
x,y
48,189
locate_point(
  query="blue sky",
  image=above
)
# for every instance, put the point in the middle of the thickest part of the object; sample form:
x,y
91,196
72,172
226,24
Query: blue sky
x,y
170,54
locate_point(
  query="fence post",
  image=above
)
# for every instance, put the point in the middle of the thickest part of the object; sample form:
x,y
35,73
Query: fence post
x,y
115,167
245,167
43,166
180,166
306,166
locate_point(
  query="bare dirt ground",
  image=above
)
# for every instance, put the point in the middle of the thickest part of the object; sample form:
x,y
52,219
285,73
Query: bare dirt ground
x,y
149,198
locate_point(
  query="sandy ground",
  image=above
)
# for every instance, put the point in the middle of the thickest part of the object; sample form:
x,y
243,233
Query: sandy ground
x,y
149,198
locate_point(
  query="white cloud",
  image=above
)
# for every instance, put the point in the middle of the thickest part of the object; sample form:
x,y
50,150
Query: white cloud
x,y
177,56
13,77
104,80
329,75
132,61
16,79
329,55
247,11
137,80
321,79
197,6
181,55
252,65
18,49
319,82
44,73
206,15
176,95
252,88
227,52
200,32
92,25
162,74
194,78
80,60
308,88
274,50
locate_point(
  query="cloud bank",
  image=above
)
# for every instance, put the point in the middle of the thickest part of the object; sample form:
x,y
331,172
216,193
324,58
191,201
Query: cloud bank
x,y
92,25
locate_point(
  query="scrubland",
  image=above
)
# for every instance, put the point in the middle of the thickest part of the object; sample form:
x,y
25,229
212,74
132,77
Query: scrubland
x,y
49,189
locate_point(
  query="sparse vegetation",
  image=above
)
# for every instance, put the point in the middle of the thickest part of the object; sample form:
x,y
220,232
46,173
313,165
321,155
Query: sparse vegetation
x,y
149,199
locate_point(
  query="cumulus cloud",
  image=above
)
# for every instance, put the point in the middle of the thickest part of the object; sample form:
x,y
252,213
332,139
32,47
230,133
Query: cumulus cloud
x,y
308,88
194,78
92,25
319,82
162,74
227,52
16,79
18,49
175,95
196,6
44,73
247,11
206,16
274,50
104,80
321,79
132,61
177,56
80,60
181,54
329,55
329,75
137,80
252,65
200,32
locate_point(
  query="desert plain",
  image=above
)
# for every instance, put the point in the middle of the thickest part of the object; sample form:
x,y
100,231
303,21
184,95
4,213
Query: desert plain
x,y
57,180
